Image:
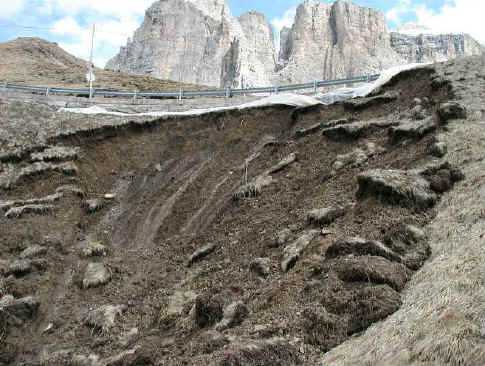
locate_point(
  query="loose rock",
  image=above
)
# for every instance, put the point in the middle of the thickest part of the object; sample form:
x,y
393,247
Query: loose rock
x,y
17,212
104,317
261,266
234,315
19,310
94,249
96,275
213,340
325,216
356,157
282,237
33,251
93,205
207,310
438,149
20,267
201,253
293,251
452,110
355,130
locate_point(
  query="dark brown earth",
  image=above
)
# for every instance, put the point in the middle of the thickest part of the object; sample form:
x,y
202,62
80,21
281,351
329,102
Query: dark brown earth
x,y
173,182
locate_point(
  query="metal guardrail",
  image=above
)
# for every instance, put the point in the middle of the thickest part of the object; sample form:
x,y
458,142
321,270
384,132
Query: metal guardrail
x,y
228,92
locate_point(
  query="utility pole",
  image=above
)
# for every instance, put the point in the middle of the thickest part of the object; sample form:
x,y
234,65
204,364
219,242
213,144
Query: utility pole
x,y
90,66
182,69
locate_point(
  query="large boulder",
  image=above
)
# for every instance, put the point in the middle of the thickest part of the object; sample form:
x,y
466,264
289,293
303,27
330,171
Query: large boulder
x,y
19,310
411,130
355,130
411,244
361,247
405,188
376,270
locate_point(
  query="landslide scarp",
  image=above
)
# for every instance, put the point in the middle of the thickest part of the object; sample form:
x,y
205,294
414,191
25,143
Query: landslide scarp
x,y
204,240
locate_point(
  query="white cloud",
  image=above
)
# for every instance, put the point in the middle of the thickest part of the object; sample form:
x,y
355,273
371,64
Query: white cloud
x,y
286,20
9,8
395,14
456,16
278,23
115,20
109,35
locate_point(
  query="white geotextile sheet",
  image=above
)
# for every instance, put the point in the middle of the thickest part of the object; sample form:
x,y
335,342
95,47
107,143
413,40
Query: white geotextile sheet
x,y
365,89
290,99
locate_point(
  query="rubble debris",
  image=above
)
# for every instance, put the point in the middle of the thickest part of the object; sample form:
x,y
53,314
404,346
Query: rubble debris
x,y
325,216
201,253
96,275
293,251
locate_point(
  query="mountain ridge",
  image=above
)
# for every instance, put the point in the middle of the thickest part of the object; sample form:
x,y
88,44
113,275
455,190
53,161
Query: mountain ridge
x,y
326,41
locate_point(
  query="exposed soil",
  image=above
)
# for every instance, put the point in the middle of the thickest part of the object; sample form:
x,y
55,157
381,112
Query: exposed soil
x,y
173,183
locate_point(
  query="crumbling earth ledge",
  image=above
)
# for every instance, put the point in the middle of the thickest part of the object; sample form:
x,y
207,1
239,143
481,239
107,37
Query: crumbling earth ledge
x,y
441,319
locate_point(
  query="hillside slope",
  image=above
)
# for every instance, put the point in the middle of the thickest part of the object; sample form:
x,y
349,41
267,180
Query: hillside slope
x,y
34,61
261,237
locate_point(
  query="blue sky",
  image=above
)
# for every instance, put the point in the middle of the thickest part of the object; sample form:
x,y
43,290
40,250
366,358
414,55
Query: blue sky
x,y
68,21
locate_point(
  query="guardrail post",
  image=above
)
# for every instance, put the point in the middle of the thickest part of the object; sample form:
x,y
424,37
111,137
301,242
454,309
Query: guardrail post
x,y
181,96
47,91
5,88
315,83
368,78
134,96
228,92
276,90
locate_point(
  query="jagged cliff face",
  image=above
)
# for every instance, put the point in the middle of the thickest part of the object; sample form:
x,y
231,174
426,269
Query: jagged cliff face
x,y
260,41
178,40
430,48
200,42
337,40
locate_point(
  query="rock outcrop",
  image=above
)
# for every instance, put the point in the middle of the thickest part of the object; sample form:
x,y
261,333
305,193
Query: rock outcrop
x,y
329,41
200,42
432,48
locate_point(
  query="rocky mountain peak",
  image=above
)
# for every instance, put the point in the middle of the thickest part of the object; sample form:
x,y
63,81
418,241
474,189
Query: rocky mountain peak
x,y
200,42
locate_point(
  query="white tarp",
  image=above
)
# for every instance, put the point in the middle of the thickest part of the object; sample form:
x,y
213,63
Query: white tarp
x,y
365,89
294,100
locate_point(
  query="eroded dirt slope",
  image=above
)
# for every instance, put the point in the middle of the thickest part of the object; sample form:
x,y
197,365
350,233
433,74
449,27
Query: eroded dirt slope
x,y
256,238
